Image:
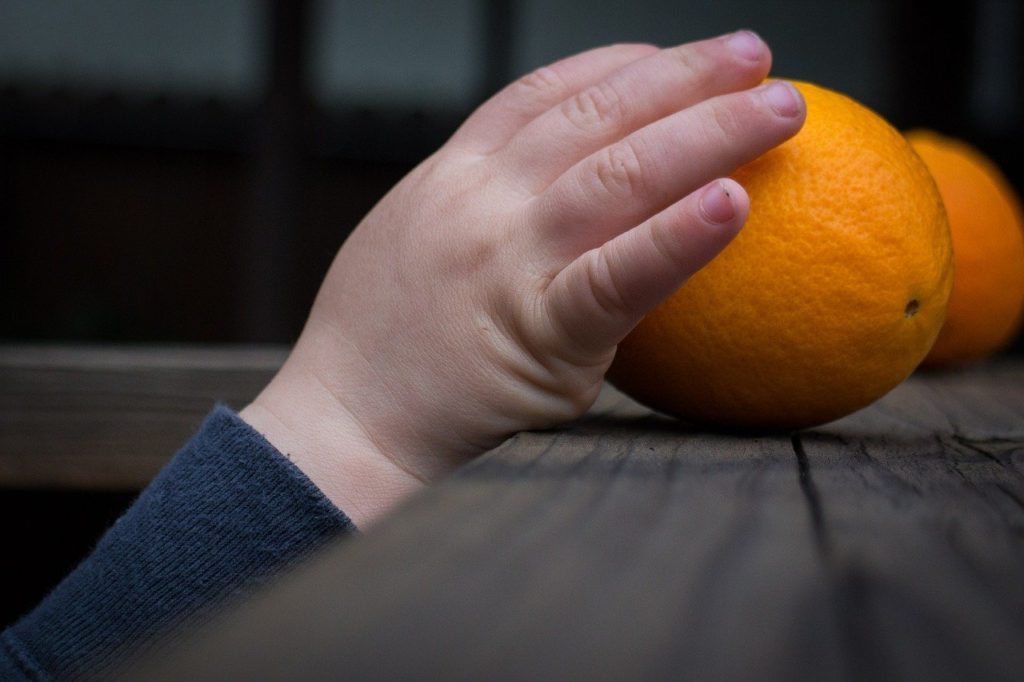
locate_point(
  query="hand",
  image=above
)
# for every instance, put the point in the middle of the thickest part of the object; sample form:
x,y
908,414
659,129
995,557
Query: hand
x,y
486,293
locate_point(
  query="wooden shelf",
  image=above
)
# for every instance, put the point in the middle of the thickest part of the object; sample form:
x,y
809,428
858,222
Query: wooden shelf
x,y
109,418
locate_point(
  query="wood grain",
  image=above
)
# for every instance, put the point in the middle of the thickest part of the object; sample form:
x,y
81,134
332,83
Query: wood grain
x,y
888,545
923,530
109,418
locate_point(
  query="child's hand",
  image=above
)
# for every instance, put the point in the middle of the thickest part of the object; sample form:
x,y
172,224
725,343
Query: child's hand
x,y
486,293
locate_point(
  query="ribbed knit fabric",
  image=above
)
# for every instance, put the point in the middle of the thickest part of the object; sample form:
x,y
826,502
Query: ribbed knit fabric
x,y
225,514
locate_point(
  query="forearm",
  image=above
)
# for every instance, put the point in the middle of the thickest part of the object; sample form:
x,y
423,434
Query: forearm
x,y
225,514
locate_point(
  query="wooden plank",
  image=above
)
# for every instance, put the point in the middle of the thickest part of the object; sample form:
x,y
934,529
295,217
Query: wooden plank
x,y
923,526
109,418
888,544
631,547
625,546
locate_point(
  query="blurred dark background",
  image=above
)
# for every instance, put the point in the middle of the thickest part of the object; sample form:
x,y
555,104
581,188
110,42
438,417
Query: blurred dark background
x,y
184,170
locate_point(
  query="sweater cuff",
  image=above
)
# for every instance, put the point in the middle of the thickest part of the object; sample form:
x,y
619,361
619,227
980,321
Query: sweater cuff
x,y
225,514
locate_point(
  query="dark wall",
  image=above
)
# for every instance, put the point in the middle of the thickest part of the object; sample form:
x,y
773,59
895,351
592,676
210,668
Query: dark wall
x,y
166,216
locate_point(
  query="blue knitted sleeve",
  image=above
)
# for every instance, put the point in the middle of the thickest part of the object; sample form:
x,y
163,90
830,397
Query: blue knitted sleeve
x,y
225,514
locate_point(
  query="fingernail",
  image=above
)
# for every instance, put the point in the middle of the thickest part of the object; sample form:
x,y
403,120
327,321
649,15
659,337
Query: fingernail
x,y
716,203
746,44
783,98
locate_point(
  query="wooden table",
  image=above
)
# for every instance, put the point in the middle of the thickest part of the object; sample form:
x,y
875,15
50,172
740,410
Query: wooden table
x,y
887,545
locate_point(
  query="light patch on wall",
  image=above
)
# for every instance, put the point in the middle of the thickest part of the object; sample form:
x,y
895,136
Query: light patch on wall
x,y
191,47
405,51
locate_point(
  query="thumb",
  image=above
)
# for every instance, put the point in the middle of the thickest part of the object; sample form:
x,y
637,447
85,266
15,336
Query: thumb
x,y
601,295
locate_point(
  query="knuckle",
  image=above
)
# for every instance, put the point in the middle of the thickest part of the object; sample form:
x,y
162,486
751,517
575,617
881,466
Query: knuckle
x,y
688,57
660,235
724,121
607,292
540,83
599,106
698,66
618,170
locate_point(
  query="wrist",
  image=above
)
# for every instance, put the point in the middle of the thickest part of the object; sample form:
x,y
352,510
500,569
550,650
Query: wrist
x,y
299,415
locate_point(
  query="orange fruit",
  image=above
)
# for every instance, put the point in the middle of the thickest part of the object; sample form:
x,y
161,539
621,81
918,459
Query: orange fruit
x,y
829,297
986,307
